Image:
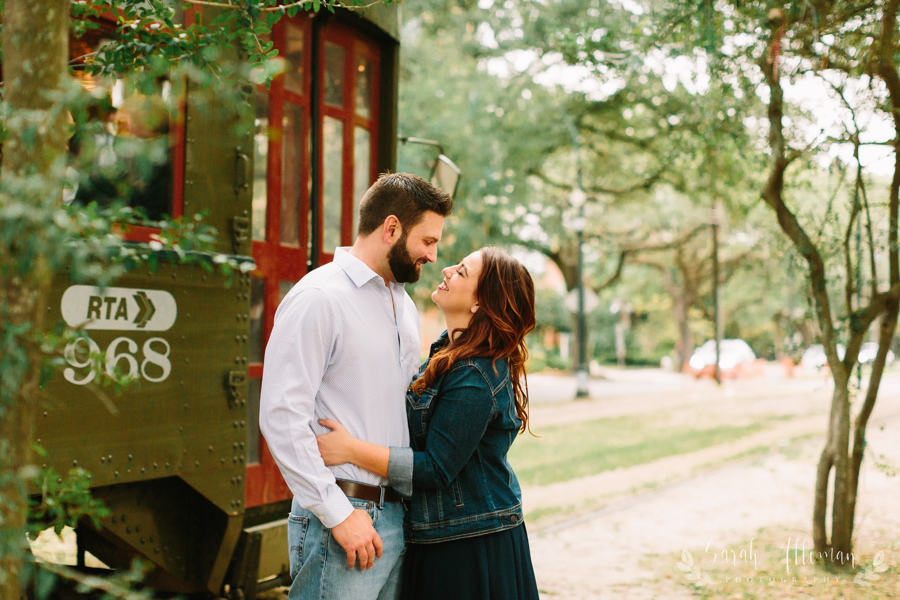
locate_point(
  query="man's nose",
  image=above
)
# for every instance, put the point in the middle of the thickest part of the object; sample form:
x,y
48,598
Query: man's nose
x,y
431,255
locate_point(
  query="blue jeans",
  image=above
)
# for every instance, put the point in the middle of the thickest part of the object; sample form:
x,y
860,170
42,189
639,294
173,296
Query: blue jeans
x,y
319,564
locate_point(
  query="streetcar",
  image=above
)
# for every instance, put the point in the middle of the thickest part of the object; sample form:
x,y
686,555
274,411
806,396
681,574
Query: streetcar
x,y
180,463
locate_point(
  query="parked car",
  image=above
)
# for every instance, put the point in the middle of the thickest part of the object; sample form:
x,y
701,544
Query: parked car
x,y
868,351
814,358
734,357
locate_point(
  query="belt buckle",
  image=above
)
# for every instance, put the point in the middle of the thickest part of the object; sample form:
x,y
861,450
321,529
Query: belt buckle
x,y
381,497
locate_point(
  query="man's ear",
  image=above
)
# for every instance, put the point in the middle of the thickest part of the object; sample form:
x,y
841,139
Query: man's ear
x,y
391,230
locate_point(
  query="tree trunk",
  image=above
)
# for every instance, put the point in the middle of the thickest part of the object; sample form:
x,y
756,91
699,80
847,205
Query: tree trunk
x,y
35,55
685,346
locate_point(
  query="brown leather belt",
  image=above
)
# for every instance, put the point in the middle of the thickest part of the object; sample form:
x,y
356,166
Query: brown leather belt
x,y
372,493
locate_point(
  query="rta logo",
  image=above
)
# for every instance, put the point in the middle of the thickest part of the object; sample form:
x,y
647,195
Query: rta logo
x,y
145,312
118,309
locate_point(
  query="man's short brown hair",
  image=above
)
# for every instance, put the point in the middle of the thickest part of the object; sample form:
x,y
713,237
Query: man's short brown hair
x,y
403,195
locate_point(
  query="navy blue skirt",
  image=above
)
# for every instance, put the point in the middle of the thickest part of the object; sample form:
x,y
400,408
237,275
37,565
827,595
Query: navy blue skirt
x,y
494,566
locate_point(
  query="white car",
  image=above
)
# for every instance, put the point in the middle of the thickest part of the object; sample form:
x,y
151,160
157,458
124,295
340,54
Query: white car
x,y
868,351
731,354
814,358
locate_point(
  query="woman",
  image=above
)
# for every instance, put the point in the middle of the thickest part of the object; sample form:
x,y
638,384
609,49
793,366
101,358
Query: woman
x,y
464,528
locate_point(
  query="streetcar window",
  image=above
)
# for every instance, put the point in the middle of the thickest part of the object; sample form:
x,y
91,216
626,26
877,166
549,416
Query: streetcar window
x,y
363,86
362,150
334,74
260,164
124,153
292,173
253,450
294,67
257,310
332,182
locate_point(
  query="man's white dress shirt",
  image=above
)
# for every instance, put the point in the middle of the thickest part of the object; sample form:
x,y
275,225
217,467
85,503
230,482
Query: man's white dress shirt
x,y
345,347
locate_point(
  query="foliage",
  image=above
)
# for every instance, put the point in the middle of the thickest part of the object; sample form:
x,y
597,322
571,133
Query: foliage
x,y
63,502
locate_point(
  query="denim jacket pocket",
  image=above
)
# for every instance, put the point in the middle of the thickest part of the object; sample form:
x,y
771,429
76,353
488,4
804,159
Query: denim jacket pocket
x,y
419,413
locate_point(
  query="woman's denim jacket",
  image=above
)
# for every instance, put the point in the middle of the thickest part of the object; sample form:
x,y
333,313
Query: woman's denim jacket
x,y
460,430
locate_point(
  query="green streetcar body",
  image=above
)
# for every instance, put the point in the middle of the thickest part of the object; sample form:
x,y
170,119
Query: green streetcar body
x,y
172,456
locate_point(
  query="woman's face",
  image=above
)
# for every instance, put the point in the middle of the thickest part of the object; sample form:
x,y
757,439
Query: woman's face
x,y
456,294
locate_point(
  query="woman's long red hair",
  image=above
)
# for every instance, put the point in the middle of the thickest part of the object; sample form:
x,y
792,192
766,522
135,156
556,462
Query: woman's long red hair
x,y
505,295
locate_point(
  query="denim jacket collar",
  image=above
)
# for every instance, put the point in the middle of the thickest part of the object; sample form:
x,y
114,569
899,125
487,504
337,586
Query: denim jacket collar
x,y
439,343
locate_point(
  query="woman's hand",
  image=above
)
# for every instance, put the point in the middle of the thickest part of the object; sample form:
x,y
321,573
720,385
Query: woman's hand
x,y
336,447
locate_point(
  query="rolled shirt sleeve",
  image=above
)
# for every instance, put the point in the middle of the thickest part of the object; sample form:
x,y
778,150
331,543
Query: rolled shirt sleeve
x,y
400,470
292,374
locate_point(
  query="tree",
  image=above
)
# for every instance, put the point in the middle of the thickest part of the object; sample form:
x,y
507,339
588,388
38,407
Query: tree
x,y
843,46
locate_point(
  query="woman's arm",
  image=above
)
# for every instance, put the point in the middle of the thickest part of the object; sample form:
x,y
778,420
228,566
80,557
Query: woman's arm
x,y
339,447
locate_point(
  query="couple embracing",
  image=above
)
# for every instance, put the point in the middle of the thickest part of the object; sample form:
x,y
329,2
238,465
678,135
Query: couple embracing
x,y
399,473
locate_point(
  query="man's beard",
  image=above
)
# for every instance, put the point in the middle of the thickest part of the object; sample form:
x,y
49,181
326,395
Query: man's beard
x,y
402,265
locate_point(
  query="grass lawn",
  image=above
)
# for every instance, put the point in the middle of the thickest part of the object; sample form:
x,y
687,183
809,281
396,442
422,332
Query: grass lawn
x,y
565,452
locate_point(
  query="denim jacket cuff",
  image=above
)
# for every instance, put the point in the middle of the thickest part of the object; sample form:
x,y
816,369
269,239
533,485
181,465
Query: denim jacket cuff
x,y
400,470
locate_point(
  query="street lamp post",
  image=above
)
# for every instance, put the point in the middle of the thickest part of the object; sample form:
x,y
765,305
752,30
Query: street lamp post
x,y
576,201
581,373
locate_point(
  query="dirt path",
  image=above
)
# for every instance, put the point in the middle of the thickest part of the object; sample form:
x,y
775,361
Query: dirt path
x,y
612,554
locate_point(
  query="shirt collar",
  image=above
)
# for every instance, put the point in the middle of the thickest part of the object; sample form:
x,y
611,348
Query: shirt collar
x,y
358,271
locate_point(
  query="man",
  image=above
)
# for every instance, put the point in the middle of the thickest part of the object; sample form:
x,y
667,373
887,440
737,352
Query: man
x,y
345,346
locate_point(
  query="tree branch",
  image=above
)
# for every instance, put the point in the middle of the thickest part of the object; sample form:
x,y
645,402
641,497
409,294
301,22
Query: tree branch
x,y
772,194
612,280
595,189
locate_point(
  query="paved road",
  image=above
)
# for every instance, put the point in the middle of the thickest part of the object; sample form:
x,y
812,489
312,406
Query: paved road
x,y
618,383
